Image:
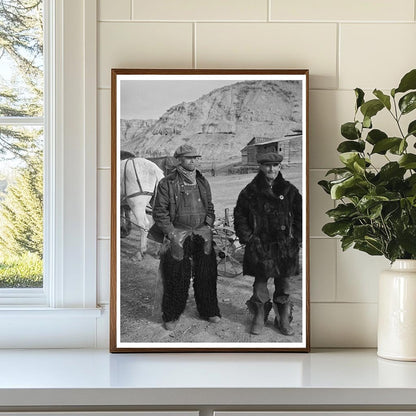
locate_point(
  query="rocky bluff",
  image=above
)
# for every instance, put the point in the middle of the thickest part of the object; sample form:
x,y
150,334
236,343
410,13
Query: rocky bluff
x,y
220,123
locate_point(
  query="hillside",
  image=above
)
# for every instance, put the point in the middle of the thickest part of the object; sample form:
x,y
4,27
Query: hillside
x,y
219,124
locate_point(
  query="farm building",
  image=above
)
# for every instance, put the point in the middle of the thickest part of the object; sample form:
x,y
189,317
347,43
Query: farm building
x,y
290,146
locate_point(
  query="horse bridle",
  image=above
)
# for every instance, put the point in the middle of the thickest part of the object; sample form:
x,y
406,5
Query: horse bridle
x,y
140,192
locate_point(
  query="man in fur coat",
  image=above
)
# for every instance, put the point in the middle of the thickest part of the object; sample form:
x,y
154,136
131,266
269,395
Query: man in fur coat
x,y
268,220
184,213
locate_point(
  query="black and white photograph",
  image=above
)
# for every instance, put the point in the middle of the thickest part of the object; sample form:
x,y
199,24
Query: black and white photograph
x,y
209,211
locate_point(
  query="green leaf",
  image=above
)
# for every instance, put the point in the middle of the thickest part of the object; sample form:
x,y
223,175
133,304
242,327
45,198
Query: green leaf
x,y
342,211
349,131
391,170
383,145
398,149
349,146
359,165
408,82
346,242
367,122
369,248
359,94
385,99
369,201
408,102
375,212
325,186
408,161
336,228
407,240
411,130
402,147
338,171
361,231
393,250
374,136
371,108
347,187
348,158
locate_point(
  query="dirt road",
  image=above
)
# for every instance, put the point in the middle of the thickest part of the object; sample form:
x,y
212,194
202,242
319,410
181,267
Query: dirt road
x,y
141,291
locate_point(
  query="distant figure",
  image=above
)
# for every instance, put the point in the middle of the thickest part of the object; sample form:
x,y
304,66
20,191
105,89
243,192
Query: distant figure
x,y
184,214
212,172
268,219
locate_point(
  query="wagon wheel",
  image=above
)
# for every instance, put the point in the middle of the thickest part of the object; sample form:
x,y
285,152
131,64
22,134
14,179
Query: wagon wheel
x,y
229,252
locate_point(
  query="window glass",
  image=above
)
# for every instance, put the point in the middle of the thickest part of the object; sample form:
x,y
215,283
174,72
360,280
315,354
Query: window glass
x,y
21,143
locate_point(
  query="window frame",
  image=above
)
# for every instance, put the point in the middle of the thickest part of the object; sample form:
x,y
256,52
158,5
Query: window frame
x,y
67,303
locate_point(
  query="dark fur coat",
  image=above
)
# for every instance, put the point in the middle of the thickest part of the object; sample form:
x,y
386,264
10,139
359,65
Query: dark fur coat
x,y
269,221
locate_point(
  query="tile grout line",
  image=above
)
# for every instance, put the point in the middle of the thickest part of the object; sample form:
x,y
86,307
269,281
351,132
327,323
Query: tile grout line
x,y
306,22
336,271
131,9
269,11
194,62
344,302
338,63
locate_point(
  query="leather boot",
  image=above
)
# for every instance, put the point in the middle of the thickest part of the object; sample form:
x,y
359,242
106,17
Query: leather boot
x,y
283,317
257,324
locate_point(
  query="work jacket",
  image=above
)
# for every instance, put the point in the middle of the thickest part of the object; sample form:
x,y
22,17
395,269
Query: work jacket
x,y
165,209
268,219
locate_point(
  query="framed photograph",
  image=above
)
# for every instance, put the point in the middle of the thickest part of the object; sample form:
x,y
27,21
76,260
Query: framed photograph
x,y
209,211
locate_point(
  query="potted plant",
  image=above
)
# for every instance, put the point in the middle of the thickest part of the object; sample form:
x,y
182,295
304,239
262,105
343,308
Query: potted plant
x,y
376,206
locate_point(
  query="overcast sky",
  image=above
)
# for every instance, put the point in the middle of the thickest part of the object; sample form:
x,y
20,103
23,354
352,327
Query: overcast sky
x,y
150,99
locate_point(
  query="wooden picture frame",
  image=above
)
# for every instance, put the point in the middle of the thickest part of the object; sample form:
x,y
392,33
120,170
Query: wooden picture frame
x,y
231,118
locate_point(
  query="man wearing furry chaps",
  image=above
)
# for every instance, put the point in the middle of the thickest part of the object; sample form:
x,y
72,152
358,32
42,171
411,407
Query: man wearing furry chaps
x,y
268,219
184,213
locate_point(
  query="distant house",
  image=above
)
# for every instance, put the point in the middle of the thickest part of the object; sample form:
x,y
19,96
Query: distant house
x,y
290,146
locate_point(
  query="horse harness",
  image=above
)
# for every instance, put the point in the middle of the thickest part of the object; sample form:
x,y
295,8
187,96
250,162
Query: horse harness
x,y
140,192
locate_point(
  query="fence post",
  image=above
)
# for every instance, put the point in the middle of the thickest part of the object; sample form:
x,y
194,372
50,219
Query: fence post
x,y
227,217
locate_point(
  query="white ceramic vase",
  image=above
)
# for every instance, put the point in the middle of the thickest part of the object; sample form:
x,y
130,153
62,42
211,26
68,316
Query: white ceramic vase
x,y
397,312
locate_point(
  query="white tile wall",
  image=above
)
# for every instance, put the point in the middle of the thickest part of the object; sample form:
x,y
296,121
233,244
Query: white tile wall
x,y
345,44
369,10
114,10
319,203
104,128
328,110
344,325
103,270
323,269
200,10
376,55
357,275
271,45
142,45
104,202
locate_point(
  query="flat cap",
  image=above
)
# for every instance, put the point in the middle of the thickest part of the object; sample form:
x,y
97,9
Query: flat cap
x,y
266,158
186,150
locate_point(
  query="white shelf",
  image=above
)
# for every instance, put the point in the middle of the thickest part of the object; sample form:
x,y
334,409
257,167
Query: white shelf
x,y
58,378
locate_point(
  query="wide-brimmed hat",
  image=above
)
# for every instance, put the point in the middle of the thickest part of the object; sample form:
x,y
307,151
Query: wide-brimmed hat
x,y
269,158
186,150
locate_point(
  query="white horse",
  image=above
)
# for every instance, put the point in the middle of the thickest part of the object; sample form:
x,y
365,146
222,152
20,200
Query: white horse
x,y
138,183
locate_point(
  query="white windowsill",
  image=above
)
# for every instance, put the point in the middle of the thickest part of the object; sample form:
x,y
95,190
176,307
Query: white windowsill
x,y
321,379
40,327
36,312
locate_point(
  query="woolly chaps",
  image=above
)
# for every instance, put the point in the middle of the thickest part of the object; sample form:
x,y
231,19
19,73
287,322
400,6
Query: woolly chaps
x,y
177,275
